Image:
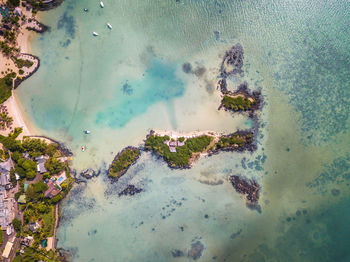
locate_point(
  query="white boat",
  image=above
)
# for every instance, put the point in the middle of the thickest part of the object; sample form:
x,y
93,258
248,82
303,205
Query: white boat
x,y
101,4
87,132
109,26
95,33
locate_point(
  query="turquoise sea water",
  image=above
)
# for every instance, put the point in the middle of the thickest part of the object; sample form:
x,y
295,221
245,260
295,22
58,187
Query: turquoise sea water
x,y
129,80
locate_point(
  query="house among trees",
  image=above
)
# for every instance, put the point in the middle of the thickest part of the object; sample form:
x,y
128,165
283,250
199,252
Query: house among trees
x,y
175,143
5,181
17,11
34,226
53,189
41,164
5,168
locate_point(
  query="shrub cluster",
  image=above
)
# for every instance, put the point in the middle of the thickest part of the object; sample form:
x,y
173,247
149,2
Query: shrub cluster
x,y
237,103
183,154
123,161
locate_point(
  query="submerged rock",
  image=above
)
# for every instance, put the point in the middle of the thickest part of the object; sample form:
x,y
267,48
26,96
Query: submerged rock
x,y
177,253
196,250
335,192
233,61
130,190
89,173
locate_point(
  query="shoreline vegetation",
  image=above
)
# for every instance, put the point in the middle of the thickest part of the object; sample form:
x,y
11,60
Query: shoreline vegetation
x,y
180,150
39,179
34,170
18,20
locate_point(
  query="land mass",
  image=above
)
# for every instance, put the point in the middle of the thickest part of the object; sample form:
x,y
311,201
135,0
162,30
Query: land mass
x,y
122,161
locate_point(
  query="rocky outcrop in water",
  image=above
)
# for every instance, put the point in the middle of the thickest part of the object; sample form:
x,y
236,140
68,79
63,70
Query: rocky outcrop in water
x,y
233,61
130,190
248,187
90,173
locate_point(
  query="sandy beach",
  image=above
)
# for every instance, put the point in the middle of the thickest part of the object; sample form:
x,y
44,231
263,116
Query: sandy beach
x,y
7,65
178,134
19,118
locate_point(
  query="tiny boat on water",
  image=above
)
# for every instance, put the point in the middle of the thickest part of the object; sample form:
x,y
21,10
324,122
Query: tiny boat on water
x,y
83,148
87,132
86,10
102,4
95,33
109,26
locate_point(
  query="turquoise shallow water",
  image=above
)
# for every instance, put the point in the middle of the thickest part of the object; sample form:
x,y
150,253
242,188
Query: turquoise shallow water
x,y
129,80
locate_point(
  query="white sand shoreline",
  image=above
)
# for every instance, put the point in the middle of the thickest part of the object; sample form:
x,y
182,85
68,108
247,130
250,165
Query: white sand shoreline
x,y
178,134
19,118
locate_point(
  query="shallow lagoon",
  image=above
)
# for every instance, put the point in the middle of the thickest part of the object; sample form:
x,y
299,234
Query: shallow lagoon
x,y
130,80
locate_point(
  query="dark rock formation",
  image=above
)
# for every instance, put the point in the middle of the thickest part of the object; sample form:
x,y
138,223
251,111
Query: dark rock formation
x,y
177,253
248,187
233,61
89,173
187,68
49,4
130,190
43,28
222,84
196,250
236,234
335,192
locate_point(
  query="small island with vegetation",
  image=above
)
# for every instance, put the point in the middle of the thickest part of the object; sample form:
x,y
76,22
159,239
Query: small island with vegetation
x,y
122,161
240,100
181,151
178,153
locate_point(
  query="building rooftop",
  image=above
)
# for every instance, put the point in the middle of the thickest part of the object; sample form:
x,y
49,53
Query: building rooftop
x,y
7,249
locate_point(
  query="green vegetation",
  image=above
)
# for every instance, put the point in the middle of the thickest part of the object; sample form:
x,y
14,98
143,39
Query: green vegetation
x,y
25,168
234,140
54,166
34,147
1,236
22,63
7,49
13,3
5,119
198,144
31,254
49,219
6,86
4,154
16,224
123,161
238,103
183,154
